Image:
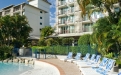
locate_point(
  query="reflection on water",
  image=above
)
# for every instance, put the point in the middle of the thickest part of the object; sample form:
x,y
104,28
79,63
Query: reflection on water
x,y
14,68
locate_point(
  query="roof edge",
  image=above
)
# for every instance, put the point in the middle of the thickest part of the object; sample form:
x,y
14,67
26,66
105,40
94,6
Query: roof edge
x,y
47,2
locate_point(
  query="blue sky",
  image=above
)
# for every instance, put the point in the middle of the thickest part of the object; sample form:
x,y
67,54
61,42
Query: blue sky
x,y
4,3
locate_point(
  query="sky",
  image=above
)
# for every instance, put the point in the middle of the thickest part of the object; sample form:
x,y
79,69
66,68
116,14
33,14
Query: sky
x,y
4,3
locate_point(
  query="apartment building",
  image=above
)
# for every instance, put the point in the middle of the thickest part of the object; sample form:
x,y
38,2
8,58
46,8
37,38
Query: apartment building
x,y
36,11
69,21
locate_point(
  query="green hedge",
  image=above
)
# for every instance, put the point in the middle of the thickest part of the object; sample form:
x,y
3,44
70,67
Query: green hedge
x,y
63,50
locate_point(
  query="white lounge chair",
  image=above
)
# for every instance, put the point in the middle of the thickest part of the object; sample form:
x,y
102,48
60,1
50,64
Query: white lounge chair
x,y
77,57
104,68
108,68
85,59
69,56
119,73
93,62
88,61
88,70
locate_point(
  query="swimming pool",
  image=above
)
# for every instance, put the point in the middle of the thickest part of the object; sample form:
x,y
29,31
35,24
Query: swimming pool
x,y
13,68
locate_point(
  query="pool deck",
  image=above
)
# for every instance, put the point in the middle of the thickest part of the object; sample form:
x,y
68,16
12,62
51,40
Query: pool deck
x,y
65,68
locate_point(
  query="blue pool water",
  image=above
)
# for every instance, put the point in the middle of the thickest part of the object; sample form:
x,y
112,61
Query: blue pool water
x,y
13,68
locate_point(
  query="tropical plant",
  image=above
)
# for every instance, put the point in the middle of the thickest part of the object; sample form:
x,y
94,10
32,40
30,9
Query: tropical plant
x,y
21,28
84,39
67,41
42,42
5,52
88,6
51,41
107,36
106,33
13,28
45,40
46,31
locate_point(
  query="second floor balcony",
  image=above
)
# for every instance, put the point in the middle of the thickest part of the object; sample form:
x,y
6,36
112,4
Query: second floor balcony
x,y
65,13
66,22
61,3
7,12
66,3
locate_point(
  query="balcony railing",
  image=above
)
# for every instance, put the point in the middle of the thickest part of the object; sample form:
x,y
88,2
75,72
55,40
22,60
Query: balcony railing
x,y
61,3
87,30
66,22
66,12
85,19
66,31
64,2
7,12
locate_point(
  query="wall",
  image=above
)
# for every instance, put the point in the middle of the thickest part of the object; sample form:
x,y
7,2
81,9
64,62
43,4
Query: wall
x,y
44,6
33,16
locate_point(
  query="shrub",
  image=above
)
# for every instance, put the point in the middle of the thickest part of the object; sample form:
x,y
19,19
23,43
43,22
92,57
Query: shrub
x,y
5,52
84,39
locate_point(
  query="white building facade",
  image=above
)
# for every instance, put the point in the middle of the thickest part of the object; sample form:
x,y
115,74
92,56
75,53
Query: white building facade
x,y
36,11
69,21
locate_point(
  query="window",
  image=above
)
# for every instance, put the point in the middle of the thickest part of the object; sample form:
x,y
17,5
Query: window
x,y
40,11
40,17
88,27
40,23
116,9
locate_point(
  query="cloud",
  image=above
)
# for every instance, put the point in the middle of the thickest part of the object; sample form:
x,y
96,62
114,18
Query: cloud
x,y
53,2
52,24
52,12
52,18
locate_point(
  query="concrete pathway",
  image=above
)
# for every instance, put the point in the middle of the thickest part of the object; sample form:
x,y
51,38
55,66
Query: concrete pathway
x,y
65,68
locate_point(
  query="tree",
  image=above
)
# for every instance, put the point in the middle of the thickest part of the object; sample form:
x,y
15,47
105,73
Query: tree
x,y
21,27
107,36
106,33
14,27
46,31
67,41
44,38
89,6
84,39
51,41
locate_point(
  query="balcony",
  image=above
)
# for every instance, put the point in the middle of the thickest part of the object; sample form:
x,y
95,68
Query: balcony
x,y
86,20
16,9
88,30
67,31
7,12
62,12
70,22
66,13
62,23
73,34
71,2
61,15
62,4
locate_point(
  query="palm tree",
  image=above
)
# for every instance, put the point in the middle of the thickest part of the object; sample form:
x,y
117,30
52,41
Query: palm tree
x,y
101,4
106,30
106,37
